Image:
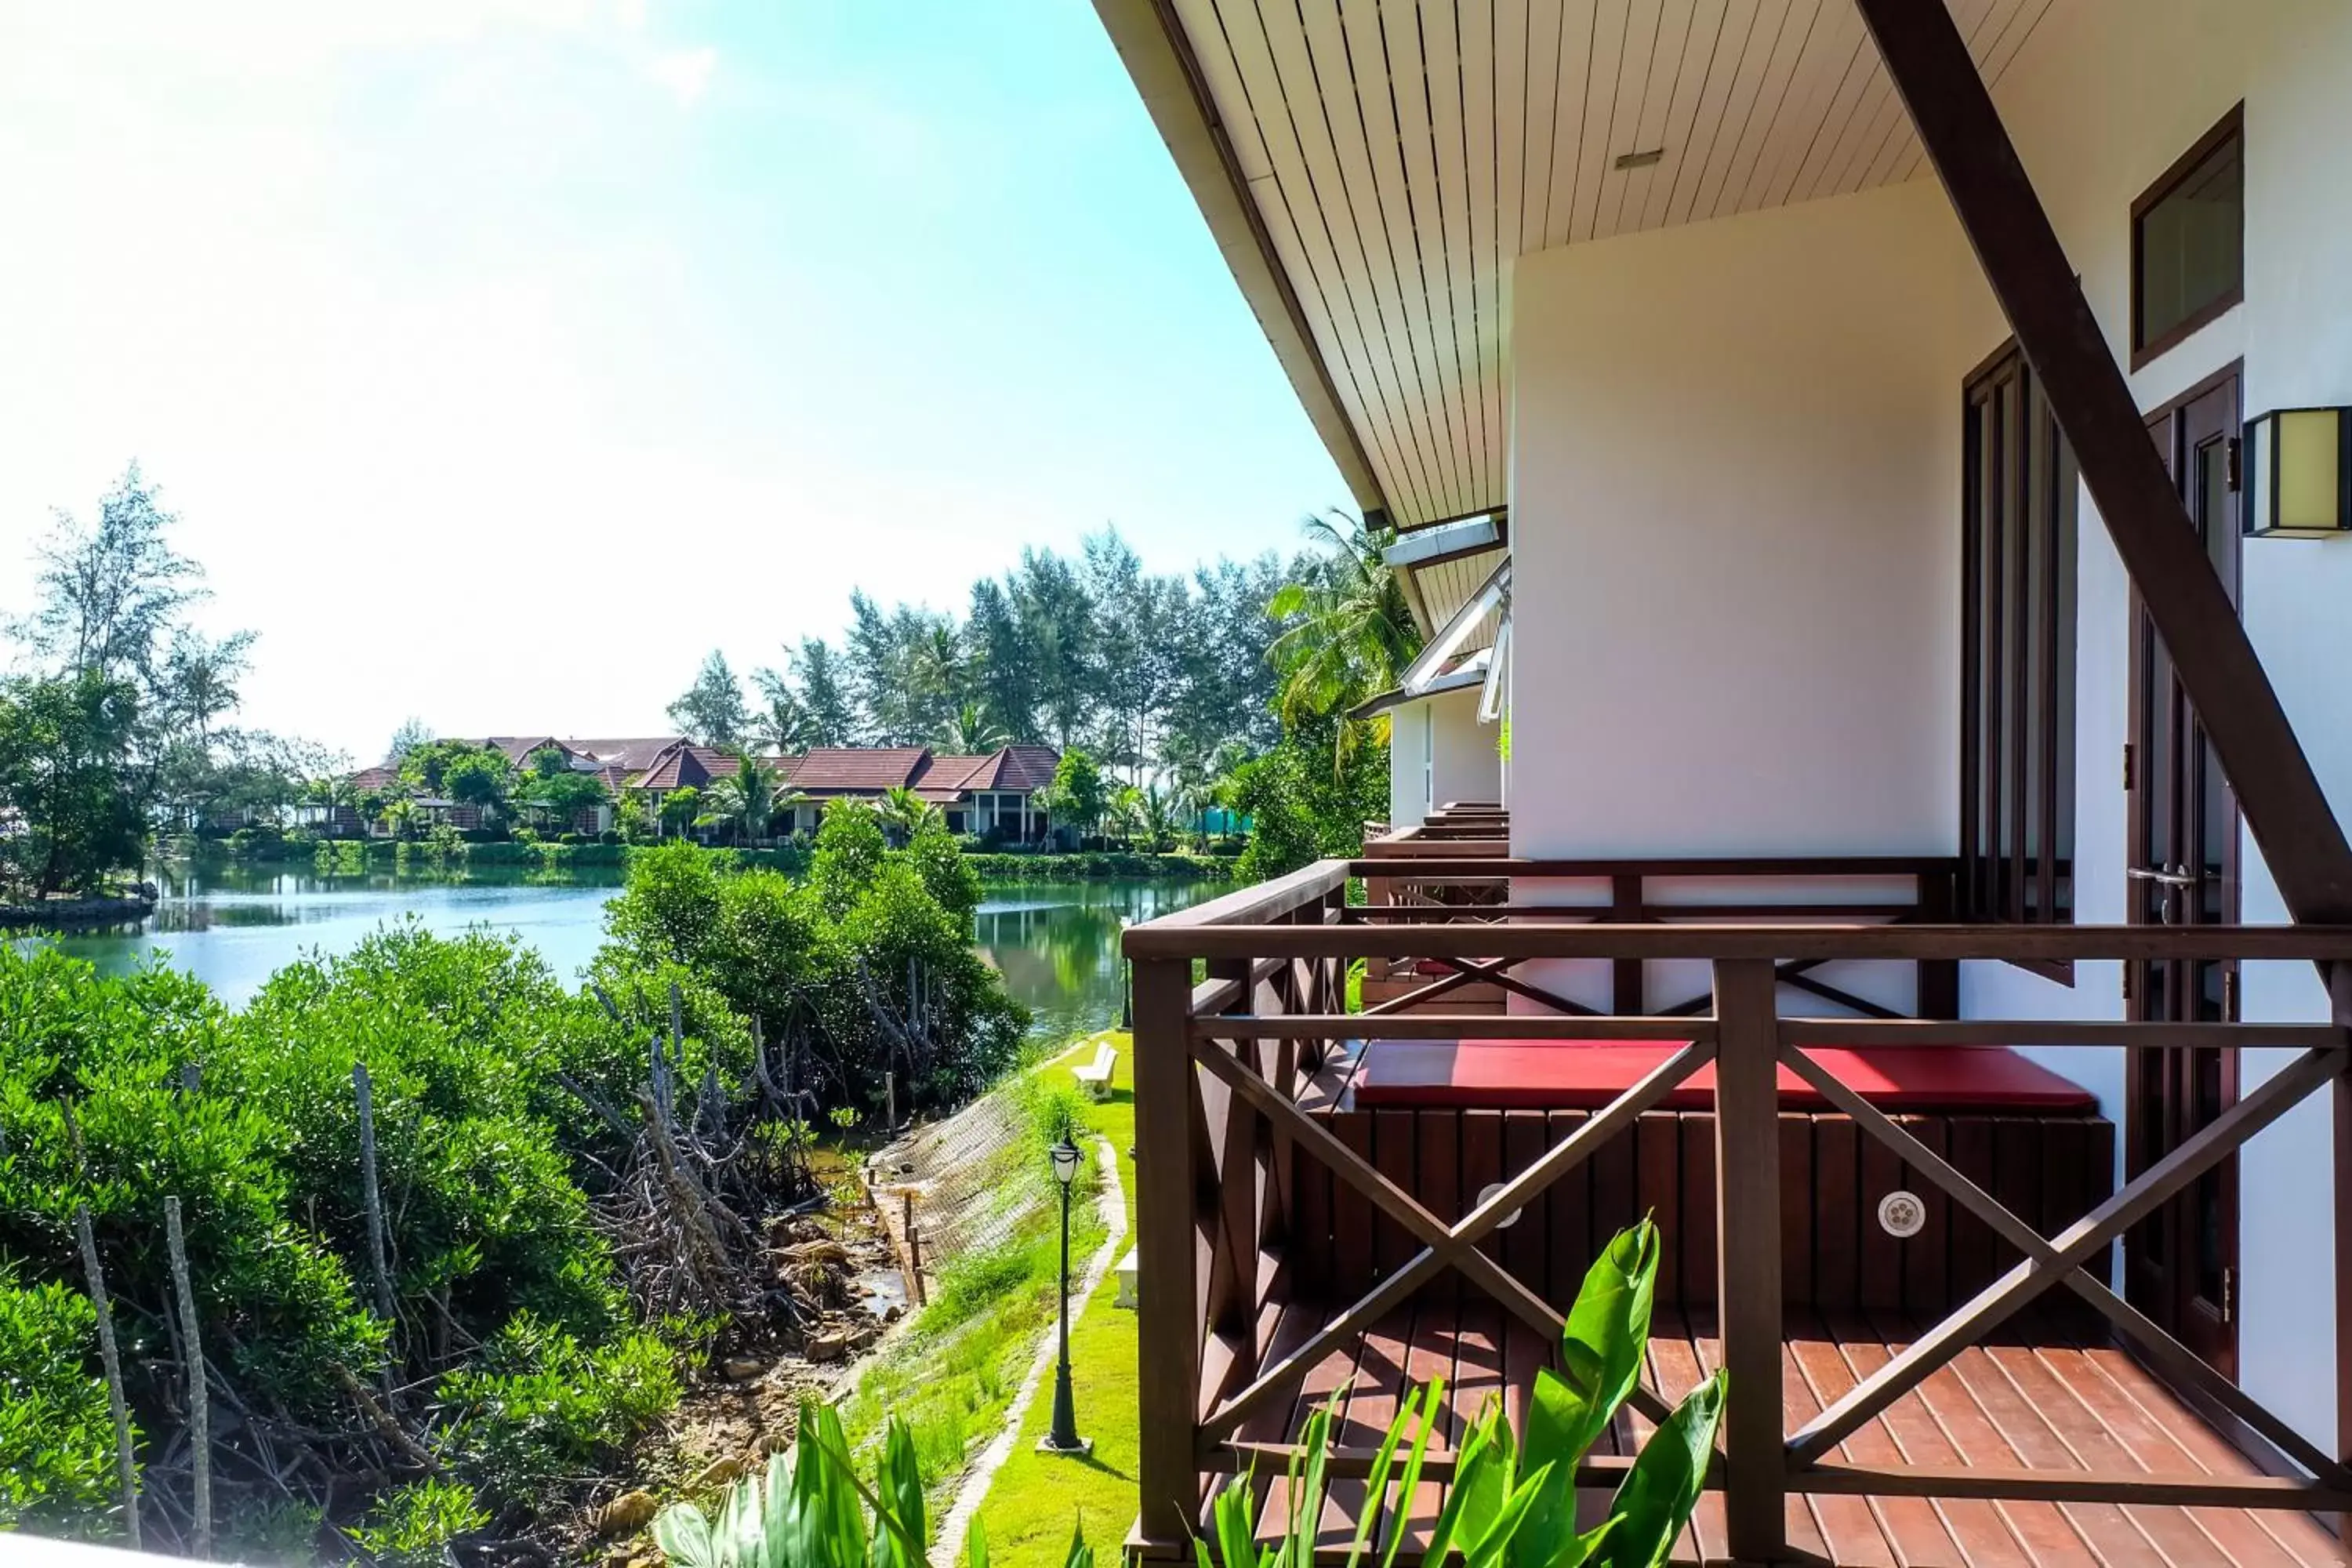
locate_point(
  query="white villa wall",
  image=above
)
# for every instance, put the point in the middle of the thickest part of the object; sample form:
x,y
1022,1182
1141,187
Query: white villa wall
x,y
1735,582
1438,751
1735,529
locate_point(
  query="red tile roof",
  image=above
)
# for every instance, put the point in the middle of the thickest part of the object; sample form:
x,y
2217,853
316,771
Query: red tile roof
x,y
872,769
858,770
1018,768
681,766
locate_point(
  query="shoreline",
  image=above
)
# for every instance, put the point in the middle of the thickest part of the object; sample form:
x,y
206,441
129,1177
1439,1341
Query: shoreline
x,y
75,914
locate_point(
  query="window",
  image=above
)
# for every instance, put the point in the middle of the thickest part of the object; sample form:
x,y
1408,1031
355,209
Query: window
x,y
2188,241
2017,652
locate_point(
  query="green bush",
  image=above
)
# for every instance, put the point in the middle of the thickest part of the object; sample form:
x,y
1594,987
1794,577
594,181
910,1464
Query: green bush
x,y
57,1435
535,1408
867,967
507,1304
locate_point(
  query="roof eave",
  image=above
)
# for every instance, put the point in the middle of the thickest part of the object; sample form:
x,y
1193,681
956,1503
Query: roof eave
x,y
1151,40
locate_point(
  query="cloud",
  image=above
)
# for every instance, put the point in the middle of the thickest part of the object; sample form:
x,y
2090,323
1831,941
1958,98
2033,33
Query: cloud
x,y
686,72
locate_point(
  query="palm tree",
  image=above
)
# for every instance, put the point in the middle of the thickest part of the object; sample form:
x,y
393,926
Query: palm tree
x,y
904,813
1352,632
746,798
974,731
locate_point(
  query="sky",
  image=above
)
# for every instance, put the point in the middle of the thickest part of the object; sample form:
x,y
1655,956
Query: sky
x,y
500,358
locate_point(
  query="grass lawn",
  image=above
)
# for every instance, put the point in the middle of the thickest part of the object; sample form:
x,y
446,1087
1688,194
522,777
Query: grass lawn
x,y
1037,1499
952,1374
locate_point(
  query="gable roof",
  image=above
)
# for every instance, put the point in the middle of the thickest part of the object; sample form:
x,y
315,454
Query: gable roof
x,y
1016,768
684,766
634,753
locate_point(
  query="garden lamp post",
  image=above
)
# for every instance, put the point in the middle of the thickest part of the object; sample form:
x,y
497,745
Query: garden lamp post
x,y
1063,1438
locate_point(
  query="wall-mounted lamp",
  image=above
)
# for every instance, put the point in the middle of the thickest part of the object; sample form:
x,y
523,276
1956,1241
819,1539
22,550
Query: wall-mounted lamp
x,y
2298,478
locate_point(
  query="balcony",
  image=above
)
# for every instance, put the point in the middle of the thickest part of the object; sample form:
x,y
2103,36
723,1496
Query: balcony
x,y
1337,1204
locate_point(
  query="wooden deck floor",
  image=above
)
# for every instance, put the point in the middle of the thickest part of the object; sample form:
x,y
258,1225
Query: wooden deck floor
x,y
2042,1400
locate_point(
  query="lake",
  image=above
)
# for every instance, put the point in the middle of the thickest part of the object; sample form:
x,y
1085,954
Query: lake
x,y
1057,944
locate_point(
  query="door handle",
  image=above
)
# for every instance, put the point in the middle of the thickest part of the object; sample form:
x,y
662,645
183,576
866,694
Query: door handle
x,y
2163,877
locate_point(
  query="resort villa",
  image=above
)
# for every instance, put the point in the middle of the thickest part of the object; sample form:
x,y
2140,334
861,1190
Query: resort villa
x,y
990,797
1874,477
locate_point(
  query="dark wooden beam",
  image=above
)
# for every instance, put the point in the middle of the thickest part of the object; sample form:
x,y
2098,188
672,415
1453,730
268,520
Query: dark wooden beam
x,y
2300,840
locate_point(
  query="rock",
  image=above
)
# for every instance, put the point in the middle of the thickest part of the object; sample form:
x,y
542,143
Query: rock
x,y
626,1514
718,1473
897,1309
743,1368
832,1345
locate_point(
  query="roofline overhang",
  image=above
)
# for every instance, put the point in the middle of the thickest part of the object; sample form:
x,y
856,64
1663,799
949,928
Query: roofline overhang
x,y
1471,677
1435,545
1492,593
1151,40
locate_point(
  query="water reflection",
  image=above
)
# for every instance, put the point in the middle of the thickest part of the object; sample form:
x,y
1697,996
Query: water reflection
x,y
1056,944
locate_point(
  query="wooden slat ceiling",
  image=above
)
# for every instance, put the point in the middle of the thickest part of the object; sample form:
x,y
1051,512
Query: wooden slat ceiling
x,y
1400,152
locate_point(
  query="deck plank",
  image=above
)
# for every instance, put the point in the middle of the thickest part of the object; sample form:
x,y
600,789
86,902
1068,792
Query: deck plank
x,y
2045,1530
1371,1405
2018,1422
2168,1439
1915,1530
2037,1398
1982,1534
1813,1526
2170,1531
1327,1381
1675,1367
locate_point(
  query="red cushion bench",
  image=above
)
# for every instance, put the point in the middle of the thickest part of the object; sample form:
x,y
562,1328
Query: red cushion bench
x,y
1585,1075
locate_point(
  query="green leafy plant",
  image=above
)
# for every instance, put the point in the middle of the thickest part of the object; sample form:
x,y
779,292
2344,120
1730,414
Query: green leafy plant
x,y
56,1436
414,1527
1513,1505
810,1509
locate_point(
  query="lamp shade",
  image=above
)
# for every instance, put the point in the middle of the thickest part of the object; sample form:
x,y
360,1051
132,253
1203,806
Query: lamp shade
x,y
1065,1162
2298,474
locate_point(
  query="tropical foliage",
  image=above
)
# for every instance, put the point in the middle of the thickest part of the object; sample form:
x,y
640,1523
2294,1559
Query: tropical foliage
x,y
1095,653
119,722
864,967
495,1334
810,1509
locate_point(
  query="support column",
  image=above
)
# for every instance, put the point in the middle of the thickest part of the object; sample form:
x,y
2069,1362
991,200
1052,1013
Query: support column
x,y
1169,1321
1747,1262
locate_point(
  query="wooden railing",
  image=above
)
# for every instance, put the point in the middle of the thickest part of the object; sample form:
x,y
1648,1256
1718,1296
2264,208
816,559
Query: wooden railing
x,y
1221,1066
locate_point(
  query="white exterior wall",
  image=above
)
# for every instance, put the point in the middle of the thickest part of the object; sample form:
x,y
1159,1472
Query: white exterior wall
x,y
1736,532
1438,751
1735,454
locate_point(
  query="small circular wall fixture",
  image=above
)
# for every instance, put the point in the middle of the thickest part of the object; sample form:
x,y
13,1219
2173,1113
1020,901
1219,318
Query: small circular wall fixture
x,y
1489,1190
1902,1215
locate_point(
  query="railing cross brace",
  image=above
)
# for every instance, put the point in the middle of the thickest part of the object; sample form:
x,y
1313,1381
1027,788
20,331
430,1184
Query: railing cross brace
x,y
2052,1260
1442,1245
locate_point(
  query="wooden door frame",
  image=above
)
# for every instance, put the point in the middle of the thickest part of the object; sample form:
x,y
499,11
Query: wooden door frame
x,y
2138,1105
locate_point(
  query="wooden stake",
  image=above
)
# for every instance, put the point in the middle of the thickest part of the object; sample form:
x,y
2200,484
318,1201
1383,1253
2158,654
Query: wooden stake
x,y
126,1462
890,1102
200,1445
363,1087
